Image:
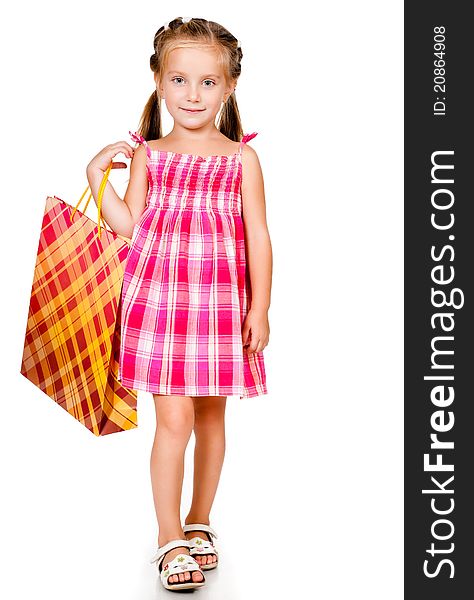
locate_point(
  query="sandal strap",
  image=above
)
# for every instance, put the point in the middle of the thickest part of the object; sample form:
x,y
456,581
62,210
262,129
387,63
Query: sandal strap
x,y
199,527
201,546
162,550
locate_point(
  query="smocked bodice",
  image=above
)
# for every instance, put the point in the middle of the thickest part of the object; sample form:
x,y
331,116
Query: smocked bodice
x,y
192,182
187,181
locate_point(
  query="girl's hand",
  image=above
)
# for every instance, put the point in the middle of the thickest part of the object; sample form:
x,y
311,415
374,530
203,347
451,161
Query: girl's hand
x,y
255,331
102,159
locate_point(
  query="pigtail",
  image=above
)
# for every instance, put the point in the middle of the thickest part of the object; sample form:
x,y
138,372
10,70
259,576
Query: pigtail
x,y
229,122
150,121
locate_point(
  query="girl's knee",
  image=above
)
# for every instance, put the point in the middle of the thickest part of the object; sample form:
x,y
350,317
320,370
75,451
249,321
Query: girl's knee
x,y
175,414
209,408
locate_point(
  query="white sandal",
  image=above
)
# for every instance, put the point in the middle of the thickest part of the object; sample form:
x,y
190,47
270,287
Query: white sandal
x,y
179,564
200,546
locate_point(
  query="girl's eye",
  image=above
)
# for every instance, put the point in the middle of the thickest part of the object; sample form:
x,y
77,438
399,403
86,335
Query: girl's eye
x,y
206,80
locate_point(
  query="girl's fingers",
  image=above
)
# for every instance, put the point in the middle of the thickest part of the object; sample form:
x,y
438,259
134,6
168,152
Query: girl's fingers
x,y
254,346
123,147
245,335
123,144
261,345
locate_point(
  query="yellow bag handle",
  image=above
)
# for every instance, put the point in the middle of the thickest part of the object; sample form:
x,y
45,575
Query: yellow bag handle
x,y
99,201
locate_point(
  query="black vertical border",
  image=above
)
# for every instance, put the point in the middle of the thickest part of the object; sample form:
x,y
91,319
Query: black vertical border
x,y
425,134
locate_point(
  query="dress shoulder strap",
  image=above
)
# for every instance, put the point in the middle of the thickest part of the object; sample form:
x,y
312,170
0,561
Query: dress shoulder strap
x,y
136,137
247,137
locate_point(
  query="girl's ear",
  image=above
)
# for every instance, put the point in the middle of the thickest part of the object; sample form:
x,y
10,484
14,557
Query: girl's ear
x,y
230,89
157,82
159,92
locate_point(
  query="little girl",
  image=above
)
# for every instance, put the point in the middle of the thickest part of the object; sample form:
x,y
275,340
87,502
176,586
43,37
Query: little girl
x,y
196,288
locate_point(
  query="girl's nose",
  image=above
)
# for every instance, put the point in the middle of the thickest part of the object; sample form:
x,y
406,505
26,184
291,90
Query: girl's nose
x,y
193,94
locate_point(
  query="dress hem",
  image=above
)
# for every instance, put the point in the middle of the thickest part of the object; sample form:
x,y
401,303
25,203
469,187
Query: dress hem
x,y
173,390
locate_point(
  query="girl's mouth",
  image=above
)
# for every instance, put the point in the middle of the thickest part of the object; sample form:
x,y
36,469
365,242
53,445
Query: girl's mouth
x,y
192,111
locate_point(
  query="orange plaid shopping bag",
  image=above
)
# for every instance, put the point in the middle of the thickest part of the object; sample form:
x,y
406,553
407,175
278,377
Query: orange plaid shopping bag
x,y
72,340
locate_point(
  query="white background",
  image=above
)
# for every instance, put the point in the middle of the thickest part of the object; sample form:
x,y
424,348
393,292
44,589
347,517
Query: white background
x,y
310,498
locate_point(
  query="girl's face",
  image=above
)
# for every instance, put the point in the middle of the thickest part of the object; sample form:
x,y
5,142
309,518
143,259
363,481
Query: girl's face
x,y
193,81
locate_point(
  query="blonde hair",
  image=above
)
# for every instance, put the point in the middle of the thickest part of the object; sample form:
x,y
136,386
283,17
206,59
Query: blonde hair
x,y
195,32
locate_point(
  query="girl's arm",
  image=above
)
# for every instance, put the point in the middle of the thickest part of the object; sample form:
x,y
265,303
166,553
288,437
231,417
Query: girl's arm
x,y
258,249
257,237
120,215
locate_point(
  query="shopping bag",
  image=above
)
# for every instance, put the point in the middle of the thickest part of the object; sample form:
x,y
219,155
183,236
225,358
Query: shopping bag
x,y
72,341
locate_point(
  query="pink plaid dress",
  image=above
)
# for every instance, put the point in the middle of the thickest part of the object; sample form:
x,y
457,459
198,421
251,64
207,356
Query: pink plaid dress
x,y
186,287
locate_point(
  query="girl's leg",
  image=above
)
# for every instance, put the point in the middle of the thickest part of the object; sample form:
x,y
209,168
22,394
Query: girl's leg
x,y
174,424
209,429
